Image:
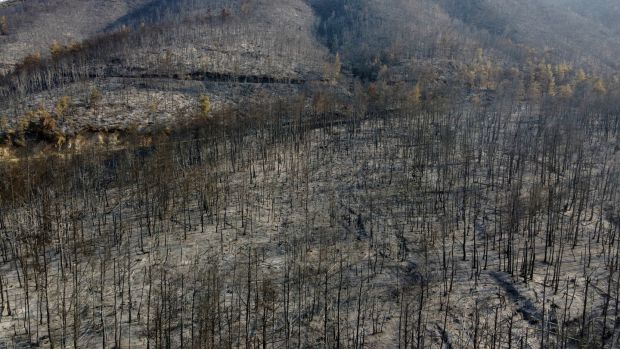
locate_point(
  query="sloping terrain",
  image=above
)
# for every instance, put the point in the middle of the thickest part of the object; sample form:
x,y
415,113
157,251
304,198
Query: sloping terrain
x,y
397,30
603,12
33,25
410,228
545,25
135,46
310,174
229,34
220,49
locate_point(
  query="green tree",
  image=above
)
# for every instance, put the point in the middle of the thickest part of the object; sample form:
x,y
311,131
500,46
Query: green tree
x,y
4,26
581,76
415,96
562,70
549,79
599,86
534,91
204,105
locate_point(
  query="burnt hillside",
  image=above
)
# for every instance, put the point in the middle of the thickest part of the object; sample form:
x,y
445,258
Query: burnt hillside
x,y
309,174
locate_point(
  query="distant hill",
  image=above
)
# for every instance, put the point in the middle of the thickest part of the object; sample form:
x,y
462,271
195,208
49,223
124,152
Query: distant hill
x,y
181,49
573,31
34,24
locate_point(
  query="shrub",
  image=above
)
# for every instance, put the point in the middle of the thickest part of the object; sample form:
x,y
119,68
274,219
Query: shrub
x,y
30,62
62,106
94,98
56,50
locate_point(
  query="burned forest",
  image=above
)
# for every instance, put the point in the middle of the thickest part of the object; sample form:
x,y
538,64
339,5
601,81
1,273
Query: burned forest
x,y
309,174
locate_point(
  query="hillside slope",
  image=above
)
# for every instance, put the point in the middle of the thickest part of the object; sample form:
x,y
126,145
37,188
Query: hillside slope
x,y
152,60
152,64
569,29
309,174
33,25
565,31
